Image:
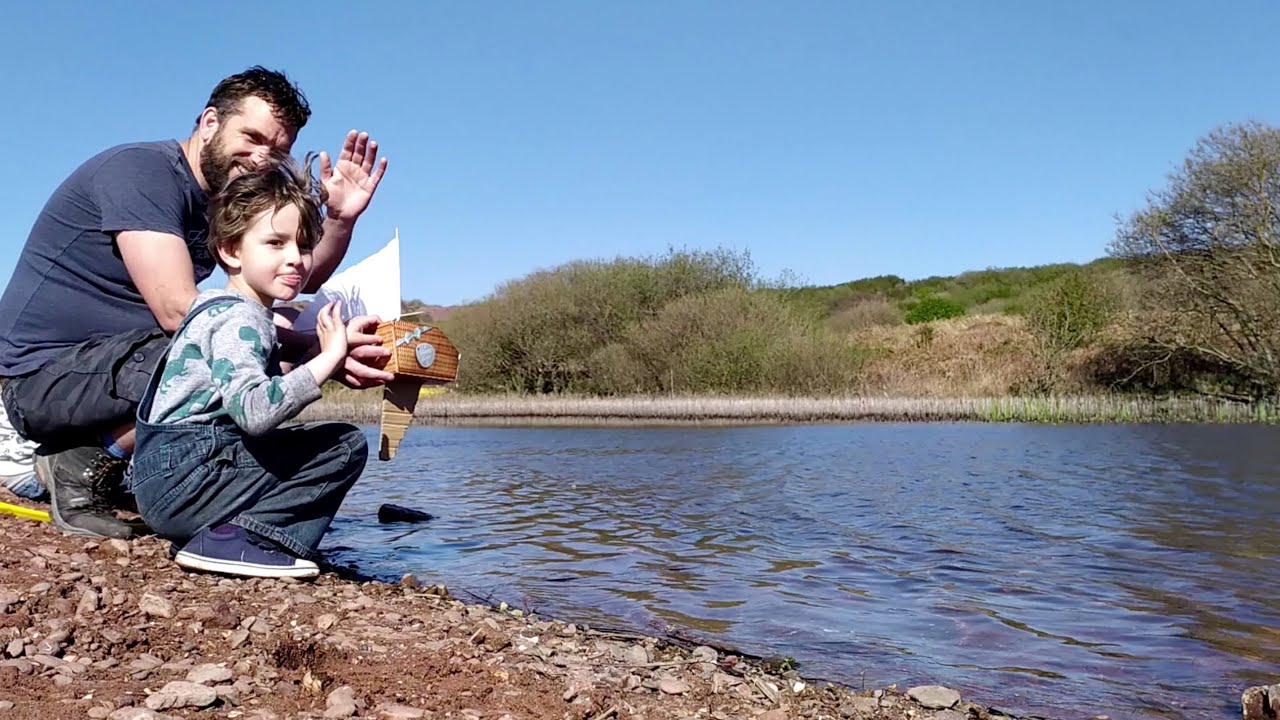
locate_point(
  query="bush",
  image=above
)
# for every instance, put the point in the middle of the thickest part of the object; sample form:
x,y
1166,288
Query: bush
x,y
982,291
864,313
1066,315
729,341
1070,312
536,335
1134,365
933,307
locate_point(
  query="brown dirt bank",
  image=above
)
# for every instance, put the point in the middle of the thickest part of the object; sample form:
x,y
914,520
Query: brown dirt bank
x,y
114,630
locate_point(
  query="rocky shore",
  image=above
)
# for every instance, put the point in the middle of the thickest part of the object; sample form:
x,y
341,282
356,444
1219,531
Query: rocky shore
x,y
112,629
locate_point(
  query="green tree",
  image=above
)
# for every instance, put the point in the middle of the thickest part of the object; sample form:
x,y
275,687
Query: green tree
x,y
1066,315
1207,250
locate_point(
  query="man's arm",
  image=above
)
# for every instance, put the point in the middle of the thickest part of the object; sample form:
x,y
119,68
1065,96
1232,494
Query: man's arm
x,y
327,256
144,207
160,266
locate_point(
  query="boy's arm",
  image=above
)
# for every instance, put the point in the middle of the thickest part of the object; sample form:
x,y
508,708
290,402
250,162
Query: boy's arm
x,y
240,347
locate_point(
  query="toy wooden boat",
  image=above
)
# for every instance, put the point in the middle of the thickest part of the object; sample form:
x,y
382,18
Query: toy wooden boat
x,y
419,354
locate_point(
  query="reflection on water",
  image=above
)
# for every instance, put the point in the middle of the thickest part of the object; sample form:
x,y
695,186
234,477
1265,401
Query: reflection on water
x,y
1069,570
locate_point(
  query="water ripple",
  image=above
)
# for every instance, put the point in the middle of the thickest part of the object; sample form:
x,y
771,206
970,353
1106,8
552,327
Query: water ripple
x,y
1069,570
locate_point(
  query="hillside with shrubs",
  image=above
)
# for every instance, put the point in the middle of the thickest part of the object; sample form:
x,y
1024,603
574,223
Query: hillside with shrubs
x,y
1186,302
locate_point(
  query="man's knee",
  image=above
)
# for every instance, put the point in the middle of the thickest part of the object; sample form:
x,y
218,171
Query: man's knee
x,y
23,408
91,388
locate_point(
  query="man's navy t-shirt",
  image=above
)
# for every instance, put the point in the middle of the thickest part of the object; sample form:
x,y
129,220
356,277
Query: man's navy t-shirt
x,y
70,283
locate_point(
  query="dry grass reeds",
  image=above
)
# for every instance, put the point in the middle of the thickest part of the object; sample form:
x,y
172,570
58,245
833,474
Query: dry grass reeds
x,y
973,356
451,408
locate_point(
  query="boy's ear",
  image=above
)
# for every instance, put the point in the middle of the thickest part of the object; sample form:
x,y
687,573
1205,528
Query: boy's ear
x,y
230,257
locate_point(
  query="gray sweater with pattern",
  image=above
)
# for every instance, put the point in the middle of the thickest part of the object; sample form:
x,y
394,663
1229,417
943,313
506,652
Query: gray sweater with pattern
x,y
220,367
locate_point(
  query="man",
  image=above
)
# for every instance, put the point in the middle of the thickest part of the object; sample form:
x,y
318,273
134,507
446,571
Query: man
x,y
111,267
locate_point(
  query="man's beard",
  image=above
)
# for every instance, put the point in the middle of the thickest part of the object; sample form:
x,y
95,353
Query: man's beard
x,y
215,165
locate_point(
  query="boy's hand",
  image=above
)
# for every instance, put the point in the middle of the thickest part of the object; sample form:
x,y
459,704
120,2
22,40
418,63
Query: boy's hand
x,y
331,333
331,330
365,355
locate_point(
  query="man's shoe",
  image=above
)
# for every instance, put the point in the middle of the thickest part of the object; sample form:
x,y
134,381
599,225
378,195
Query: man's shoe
x,y
233,550
83,484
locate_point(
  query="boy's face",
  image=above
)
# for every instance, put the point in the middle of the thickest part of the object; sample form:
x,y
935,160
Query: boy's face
x,y
271,263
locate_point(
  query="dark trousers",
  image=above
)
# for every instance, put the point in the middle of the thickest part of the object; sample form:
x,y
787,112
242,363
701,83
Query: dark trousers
x,y
285,485
90,389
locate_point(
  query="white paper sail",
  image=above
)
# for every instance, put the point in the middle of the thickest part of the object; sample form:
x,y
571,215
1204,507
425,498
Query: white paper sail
x,y
370,287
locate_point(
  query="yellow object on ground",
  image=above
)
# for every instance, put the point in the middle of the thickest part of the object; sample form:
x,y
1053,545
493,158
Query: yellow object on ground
x,y
23,512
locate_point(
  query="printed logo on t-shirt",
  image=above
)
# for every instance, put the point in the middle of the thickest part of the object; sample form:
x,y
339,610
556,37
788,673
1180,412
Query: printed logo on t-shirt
x,y
201,259
198,247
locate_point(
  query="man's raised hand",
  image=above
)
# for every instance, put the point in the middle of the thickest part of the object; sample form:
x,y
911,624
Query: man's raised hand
x,y
352,182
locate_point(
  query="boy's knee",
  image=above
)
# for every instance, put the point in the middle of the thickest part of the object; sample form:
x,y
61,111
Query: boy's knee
x,y
359,453
357,446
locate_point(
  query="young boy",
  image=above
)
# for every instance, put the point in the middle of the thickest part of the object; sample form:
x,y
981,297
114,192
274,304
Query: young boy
x,y
212,469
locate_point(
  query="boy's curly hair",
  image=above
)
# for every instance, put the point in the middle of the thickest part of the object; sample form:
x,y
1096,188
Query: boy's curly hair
x,y
279,182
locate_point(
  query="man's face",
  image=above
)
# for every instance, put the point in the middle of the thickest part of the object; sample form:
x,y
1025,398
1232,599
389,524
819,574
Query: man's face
x,y
243,140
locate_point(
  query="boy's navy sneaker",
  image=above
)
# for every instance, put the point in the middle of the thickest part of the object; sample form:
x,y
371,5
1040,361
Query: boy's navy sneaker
x,y
233,550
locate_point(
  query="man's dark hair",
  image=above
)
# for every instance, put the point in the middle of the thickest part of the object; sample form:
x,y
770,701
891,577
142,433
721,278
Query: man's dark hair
x,y
287,102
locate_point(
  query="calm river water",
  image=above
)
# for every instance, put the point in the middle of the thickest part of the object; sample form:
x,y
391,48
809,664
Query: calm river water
x,y
1132,570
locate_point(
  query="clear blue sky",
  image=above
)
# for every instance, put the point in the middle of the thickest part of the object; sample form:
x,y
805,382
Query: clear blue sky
x,y
836,139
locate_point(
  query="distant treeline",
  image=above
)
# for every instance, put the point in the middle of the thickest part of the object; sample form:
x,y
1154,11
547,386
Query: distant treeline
x,y
889,299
